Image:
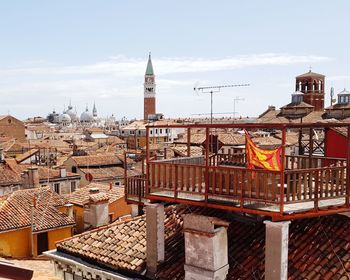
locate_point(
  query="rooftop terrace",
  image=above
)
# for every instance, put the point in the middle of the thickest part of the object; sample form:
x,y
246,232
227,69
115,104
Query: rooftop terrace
x,y
309,183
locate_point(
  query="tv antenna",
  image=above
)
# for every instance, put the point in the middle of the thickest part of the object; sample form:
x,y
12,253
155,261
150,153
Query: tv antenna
x,y
235,100
215,89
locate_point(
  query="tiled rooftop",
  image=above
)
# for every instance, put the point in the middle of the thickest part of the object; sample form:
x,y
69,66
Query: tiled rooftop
x,y
82,195
8,176
104,173
312,246
96,160
181,150
226,138
45,173
15,210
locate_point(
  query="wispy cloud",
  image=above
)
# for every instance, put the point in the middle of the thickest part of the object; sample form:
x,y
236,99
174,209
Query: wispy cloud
x,y
339,78
131,67
119,79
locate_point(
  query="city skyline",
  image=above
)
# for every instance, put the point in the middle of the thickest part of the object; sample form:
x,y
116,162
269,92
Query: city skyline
x,y
54,53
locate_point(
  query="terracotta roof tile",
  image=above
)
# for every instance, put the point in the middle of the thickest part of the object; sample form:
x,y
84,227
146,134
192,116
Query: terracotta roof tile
x,y
104,173
15,210
308,257
82,195
96,160
8,176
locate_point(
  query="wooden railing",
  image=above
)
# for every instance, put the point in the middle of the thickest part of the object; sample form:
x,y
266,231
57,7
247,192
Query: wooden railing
x,y
303,162
227,159
244,184
135,188
315,184
244,188
176,177
184,160
237,185
291,162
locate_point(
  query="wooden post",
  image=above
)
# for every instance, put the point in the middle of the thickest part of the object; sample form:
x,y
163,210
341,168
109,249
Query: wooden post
x,y
147,160
125,177
316,189
188,141
348,171
311,146
282,170
206,164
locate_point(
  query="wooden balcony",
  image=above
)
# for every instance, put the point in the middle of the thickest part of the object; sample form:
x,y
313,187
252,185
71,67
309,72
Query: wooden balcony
x,y
307,185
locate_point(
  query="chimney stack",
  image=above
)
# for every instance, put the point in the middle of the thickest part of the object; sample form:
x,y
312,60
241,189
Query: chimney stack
x,y
206,251
33,177
154,236
69,210
25,179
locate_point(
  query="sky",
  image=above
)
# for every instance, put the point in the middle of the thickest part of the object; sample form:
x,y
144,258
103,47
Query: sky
x,y
82,51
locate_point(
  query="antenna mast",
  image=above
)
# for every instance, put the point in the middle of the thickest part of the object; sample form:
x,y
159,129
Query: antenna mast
x,y
215,89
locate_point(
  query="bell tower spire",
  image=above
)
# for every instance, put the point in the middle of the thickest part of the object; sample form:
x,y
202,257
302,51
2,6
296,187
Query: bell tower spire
x,y
149,95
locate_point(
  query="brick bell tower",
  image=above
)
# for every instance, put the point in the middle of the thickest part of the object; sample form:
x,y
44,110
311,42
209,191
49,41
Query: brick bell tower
x,y
149,105
312,85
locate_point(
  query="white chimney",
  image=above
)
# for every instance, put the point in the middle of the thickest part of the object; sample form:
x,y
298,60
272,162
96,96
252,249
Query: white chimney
x,y
63,172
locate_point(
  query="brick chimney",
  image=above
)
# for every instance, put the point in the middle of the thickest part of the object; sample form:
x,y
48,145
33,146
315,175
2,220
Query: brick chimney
x,y
206,251
33,178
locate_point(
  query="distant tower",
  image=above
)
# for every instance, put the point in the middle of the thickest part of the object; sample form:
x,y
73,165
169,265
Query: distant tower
x,y
312,85
94,111
149,107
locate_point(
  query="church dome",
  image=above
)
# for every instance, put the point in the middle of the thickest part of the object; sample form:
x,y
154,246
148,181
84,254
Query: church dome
x,y
86,116
344,92
72,114
64,118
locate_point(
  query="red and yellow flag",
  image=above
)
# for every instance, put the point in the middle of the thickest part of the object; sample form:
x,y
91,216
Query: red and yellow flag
x,y
265,159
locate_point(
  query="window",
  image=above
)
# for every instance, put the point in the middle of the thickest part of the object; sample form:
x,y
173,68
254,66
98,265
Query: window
x,y
156,131
166,130
57,187
74,169
72,276
117,183
68,276
139,132
297,98
160,131
78,277
151,131
73,186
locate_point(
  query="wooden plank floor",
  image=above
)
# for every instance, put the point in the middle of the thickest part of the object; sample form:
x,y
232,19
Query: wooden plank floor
x,y
230,201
